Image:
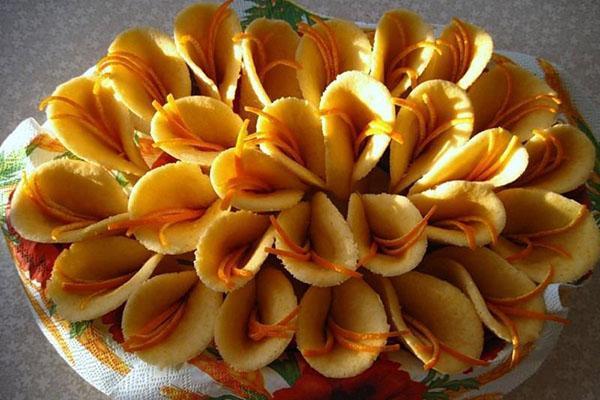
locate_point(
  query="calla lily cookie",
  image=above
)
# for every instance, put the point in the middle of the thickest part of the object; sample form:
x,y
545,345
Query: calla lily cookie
x,y
402,49
66,201
269,49
389,231
494,156
289,130
315,243
204,34
170,207
561,159
194,128
91,123
232,249
142,66
247,179
466,214
545,229
511,97
327,49
96,276
257,322
170,319
434,119
433,311
493,285
466,50
342,330
357,117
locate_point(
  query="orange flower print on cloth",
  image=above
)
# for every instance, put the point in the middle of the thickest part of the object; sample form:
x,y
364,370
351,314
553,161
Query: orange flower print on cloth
x,y
241,384
35,258
383,380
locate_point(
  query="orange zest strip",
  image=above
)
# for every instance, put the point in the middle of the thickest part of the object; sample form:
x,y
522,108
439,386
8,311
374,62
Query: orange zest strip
x,y
202,60
140,69
397,63
216,21
248,183
59,230
79,286
306,30
538,291
289,242
393,78
351,340
517,111
335,112
157,329
338,331
52,209
523,313
526,111
439,130
333,266
408,50
526,252
488,225
553,156
469,231
320,351
302,253
366,348
101,112
531,244
435,343
431,112
416,110
395,247
375,127
529,239
282,329
289,254
581,214
464,44
258,138
94,130
462,357
333,49
264,67
508,151
242,181
460,50
277,63
325,44
183,133
231,263
442,346
514,333
373,249
162,217
96,126
260,46
449,350
203,146
492,154
455,58
282,133
507,94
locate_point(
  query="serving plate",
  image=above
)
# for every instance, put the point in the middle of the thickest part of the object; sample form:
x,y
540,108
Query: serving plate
x,y
91,350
